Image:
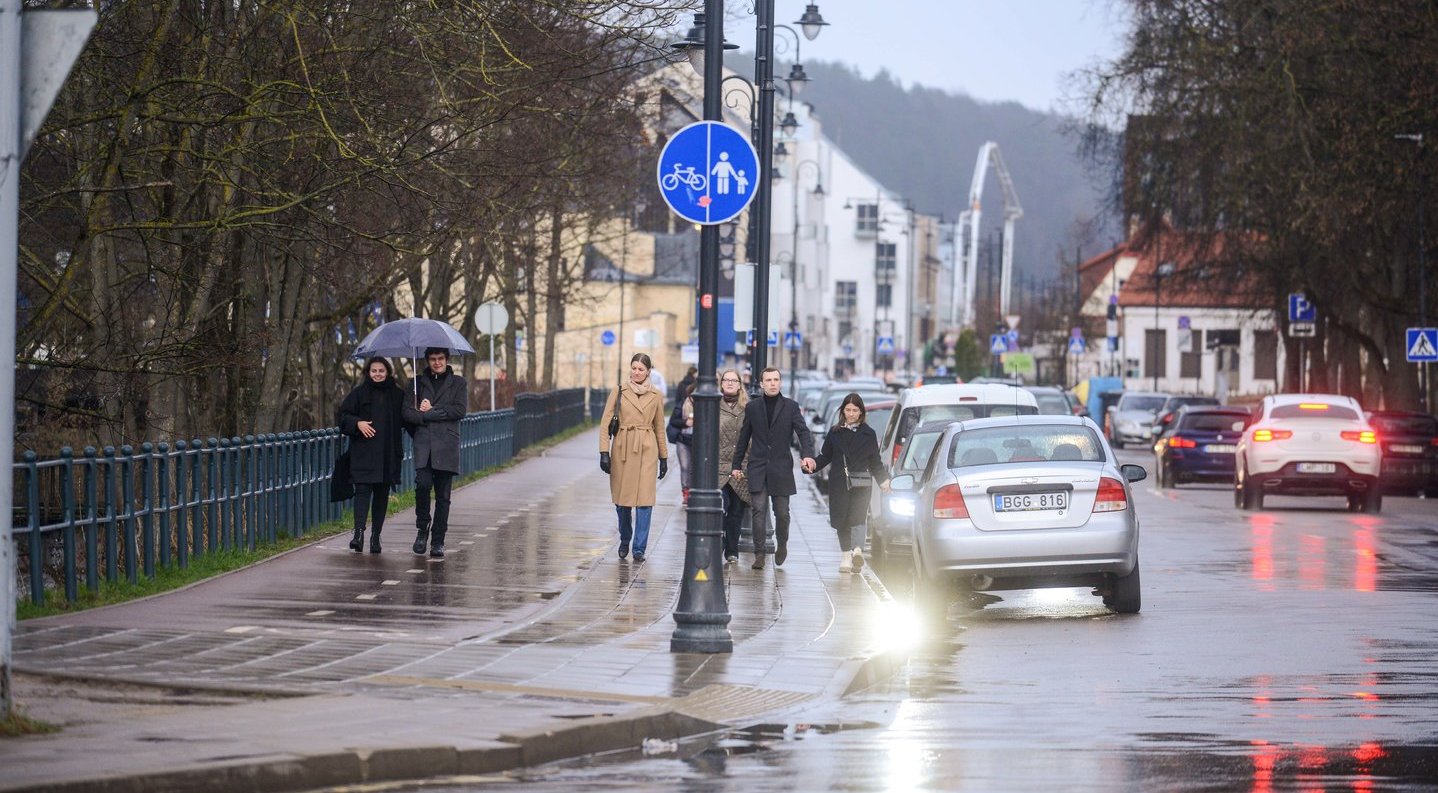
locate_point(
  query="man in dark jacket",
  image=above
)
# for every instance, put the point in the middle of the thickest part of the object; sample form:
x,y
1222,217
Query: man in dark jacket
x,y
443,400
769,423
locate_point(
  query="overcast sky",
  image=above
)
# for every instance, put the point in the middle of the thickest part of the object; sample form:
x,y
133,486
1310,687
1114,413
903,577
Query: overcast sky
x,y
994,50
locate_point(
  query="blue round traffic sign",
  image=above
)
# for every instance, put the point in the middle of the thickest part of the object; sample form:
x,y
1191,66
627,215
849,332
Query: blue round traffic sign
x,y
607,338
708,172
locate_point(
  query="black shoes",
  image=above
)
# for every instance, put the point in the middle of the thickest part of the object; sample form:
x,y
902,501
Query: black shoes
x,y
357,542
420,541
623,550
638,557
780,554
436,551
374,545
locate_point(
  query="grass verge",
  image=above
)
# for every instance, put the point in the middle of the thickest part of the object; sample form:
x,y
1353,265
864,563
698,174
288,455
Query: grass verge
x,y
18,724
213,564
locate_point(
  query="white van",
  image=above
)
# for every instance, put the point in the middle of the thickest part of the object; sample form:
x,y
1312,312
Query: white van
x,y
891,515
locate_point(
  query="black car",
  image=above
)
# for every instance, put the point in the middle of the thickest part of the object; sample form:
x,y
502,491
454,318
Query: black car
x,y
1166,414
1410,451
1199,445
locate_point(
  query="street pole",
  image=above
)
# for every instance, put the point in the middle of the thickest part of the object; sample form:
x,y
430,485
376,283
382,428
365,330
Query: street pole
x,y
763,196
702,616
9,253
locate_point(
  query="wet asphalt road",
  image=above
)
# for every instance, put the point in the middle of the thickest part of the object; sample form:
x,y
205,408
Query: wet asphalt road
x,y
1288,649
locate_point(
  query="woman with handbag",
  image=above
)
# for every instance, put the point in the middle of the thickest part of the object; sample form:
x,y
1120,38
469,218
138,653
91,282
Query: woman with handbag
x,y
370,416
853,447
629,450
732,401
681,434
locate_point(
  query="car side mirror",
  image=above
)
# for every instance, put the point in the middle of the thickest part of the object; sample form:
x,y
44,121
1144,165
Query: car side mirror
x,y
902,482
1133,473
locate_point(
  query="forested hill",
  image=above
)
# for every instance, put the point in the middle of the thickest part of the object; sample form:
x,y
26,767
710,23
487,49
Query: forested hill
x,y
923,142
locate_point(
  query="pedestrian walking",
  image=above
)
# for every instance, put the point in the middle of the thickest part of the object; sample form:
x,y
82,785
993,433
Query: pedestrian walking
x,y
681,434
370,416
630,454
853,448
769,423
441,399
735,491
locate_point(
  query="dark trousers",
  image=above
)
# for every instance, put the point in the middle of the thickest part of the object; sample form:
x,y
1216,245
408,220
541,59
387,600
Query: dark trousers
x,y
441,482
734,507
760,500
372,500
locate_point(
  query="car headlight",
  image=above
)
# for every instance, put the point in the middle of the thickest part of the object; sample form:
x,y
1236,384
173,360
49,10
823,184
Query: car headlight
x,y
1128,426
903,506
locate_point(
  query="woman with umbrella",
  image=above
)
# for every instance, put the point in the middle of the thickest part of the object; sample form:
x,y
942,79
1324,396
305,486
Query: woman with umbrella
x,y
370,416
628,453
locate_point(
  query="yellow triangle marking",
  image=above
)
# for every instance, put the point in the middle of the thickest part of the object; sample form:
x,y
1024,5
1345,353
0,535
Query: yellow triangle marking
x,y
701,575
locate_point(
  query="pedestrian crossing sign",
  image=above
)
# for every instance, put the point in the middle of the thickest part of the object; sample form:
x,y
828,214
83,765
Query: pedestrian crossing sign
x,y
1422,345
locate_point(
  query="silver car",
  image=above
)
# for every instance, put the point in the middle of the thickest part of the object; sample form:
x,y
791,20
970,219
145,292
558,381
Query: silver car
x,y
1131,420
1025,502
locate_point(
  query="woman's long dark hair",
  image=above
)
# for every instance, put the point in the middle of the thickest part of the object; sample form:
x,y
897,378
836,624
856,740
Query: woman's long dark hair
x,y
856,400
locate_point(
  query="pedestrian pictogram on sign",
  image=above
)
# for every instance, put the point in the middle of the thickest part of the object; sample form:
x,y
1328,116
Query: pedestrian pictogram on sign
x,y
793,340
1076,345
1422,345
886,345
707,172
998,344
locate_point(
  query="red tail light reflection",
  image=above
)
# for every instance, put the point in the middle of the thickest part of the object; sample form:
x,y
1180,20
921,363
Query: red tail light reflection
x,y
1365,561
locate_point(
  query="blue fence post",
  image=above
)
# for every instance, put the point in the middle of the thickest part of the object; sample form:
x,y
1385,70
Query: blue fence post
x,y
92,523
37,545
67,497
197,530
182,501
217,447
162,501
147,515
112,516
127,522
237,484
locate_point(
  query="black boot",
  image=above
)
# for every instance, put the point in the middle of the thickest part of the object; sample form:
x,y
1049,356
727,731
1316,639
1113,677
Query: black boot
x,y
374,541
421,541
357,542
436,546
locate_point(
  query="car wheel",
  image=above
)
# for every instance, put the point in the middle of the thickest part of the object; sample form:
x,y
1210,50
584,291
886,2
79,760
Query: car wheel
x,y
1243,492
1166,477
1237,492
1125,595
1372,501
1255,490
878,552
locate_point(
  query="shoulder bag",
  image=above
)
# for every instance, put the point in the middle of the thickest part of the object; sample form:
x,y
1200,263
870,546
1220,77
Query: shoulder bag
x,y
856,478
614,420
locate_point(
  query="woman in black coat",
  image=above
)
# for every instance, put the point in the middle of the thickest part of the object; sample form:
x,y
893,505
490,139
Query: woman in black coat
x,y
370,416
853,448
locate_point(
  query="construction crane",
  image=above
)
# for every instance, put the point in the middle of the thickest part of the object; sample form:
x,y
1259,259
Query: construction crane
x,y
966,285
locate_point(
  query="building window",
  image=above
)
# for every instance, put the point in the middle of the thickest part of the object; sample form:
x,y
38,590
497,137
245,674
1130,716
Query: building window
x,y
1190,364
1155,358
1265,355
846,297
885,259
866,218
884,295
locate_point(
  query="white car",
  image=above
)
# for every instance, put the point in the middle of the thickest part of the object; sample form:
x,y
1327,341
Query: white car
x,y
1309,445
1025,502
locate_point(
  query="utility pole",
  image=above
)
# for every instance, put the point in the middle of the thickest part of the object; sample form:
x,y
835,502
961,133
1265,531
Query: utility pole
x,y
36,52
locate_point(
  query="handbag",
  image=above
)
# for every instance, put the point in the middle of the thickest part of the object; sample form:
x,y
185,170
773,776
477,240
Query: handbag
x,y
342,485
614,420
857,479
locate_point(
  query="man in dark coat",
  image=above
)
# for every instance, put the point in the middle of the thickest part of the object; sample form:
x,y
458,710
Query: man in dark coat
x,y
443,400
769,423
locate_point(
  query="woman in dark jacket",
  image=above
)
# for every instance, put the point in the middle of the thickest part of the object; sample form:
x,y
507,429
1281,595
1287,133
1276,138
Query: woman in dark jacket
x,y
853,448
370,416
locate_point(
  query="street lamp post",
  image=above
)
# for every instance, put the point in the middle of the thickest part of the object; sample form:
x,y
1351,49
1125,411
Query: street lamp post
x,y
1164,270
702,615
1424,386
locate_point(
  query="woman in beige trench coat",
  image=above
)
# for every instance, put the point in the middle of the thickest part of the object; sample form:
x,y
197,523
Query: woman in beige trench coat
x,y
630,456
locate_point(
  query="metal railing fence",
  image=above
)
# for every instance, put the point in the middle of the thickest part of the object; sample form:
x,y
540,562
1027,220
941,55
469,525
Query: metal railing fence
x,y
119,513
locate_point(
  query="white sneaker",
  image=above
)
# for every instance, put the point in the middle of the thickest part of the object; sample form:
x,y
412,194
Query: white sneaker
x,y
858,558
846,563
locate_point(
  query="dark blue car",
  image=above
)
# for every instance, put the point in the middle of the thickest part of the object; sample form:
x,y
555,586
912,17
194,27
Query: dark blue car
x,y
1199,445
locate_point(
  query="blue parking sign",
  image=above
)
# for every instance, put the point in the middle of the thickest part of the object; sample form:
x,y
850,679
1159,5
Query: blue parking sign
x,y
708,172
1300,310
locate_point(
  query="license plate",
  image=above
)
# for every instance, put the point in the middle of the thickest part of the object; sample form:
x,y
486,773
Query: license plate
x,y
1403,448
1220,448
1316,468
1031,502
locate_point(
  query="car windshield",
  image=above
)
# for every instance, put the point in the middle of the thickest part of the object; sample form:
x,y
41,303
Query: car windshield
x,y
1052,404
1025,443
1149,403
1312,410
1406,425
1212,422
917,453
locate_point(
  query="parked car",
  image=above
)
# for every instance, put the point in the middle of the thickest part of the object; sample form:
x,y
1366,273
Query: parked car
x,y
1199,445
1166,414
891,520
1131,419
1410,451
1309,445
950,403
1025,502
1054,401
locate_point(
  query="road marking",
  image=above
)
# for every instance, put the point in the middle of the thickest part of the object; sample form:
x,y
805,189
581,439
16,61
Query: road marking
x,y
414,570
390,582
242,629
365,597
466,542
320,613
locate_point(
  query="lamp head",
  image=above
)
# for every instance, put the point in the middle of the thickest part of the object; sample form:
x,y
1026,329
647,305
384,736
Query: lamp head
x,y
812,23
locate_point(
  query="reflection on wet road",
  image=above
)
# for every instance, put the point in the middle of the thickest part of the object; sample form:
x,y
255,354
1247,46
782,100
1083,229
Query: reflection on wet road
x,y
1287,649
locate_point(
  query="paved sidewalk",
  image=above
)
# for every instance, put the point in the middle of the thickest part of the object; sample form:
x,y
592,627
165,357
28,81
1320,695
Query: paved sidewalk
x,y
531,641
